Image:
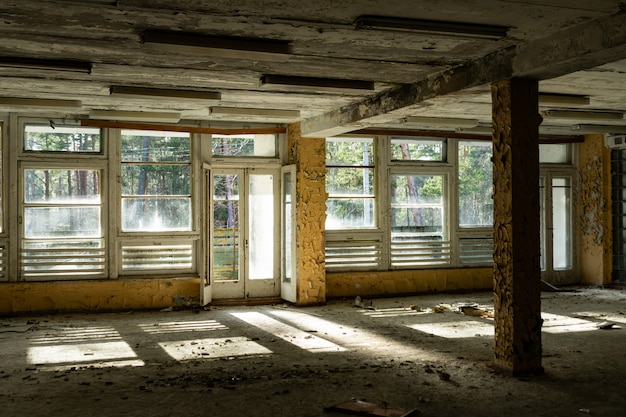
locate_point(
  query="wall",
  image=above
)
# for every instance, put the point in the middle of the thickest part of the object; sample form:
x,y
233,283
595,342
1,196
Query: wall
x,y
21,297
594,216
388,283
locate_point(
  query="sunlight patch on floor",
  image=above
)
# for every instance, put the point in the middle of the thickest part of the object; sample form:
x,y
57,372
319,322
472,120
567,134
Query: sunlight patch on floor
x,y
182,326
212,348
555,323
103,354
455,329
302,339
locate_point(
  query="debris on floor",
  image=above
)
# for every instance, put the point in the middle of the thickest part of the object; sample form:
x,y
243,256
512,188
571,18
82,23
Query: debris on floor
x,y
366,304
607,325
363,408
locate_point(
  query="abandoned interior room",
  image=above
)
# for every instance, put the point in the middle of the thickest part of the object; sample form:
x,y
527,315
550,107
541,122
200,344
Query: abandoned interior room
x,y
289,208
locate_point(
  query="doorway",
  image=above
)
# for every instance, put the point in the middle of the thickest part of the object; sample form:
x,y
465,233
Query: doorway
x,y
244,245
558,242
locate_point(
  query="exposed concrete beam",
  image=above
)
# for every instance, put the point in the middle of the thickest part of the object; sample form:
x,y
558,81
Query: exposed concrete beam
x,y
577,48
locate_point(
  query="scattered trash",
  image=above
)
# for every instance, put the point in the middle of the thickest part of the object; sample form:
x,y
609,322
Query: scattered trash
x,y
167,309
366,304
369,409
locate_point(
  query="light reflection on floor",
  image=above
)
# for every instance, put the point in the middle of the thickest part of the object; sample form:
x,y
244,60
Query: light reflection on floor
x,y
213,348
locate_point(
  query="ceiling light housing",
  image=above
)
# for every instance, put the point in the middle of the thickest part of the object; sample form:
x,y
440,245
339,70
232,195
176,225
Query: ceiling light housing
x,y
39,102
246,111
135,116
441,121
291,82
583,115
219,46
591,128
64,65
145,92
457,29
563,99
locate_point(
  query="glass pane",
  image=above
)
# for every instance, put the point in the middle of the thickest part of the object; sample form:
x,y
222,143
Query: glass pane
x,y
555,154
62,222
45,138
149,146
349,213
475,184
561,223
225,227
68,186
261,214
287,229
244,145
349,152
153,179
417,205
542,219
156,214
417,149
350,182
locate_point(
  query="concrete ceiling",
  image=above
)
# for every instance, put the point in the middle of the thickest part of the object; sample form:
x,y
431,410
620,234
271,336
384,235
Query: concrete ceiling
x,y
572,46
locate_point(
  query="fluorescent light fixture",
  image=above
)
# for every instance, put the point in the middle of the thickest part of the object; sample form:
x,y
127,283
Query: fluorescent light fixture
x,y
563,99
219,46
441,121
39,102
313,83
135,116
64,65
583,115
584,128
478,130
246,111
145,92
458,29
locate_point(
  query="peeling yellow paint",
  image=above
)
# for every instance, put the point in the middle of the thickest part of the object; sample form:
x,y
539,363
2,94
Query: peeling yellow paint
x,y
95,295
309,156
595,211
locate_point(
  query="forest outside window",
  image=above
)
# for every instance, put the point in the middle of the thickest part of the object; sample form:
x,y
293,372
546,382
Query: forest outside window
x,y
251,145
156,181
475,184
350,183
61,138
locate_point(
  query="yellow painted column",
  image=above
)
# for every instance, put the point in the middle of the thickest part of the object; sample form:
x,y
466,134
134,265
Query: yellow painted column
x,y
517,274
309,157
594,216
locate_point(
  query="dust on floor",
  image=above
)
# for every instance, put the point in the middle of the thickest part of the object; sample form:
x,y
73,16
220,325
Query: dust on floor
x,y
431,353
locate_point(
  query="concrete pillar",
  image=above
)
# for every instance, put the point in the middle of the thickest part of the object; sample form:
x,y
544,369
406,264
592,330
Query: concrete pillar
x,y
517,274
309,157
595,211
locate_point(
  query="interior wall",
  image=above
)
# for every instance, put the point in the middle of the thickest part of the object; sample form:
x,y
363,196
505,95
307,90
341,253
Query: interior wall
x,y
595,212
137,294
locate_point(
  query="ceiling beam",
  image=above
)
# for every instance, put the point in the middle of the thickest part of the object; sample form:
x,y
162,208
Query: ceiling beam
x,y
484,70
580,47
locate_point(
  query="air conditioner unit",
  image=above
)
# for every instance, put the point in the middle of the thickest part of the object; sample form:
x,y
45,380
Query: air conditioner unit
x,y
615,141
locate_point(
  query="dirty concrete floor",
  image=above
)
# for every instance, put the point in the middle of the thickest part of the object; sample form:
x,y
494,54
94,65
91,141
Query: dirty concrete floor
x,y
285,361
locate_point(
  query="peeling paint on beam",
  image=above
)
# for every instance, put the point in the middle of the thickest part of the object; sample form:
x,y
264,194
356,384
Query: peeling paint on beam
x,y
494,67
577,48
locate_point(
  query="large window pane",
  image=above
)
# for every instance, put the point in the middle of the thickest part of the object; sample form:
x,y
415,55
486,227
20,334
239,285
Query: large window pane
x,y
475,184
226,239
555,153
45,138
244,145
561,223
61,222
61,186
417,149
156,214
350,183
261,204
156,181
417,205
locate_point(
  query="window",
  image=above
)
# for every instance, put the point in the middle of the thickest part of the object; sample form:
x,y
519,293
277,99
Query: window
x,y
59,138
156,181
62,223
245,145
418,234
417,149
350,183
475,184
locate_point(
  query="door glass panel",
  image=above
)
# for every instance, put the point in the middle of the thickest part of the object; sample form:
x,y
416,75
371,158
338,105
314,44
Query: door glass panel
x,y
261,235
542,219
287,226
561,223
226,245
